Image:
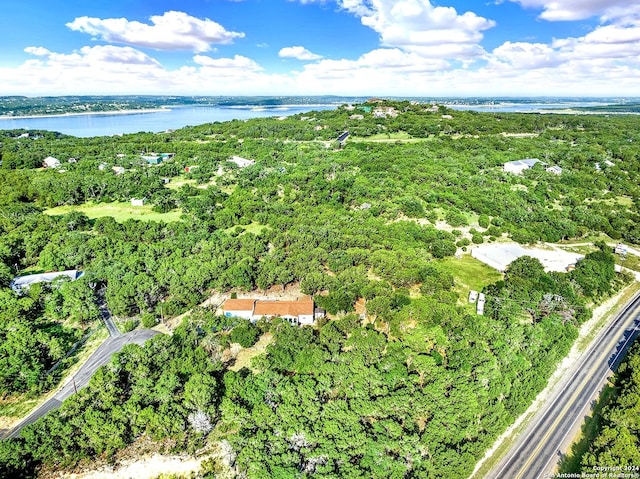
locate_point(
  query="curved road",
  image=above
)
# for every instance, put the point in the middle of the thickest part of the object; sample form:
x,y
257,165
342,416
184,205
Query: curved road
x,y
79,380
539,448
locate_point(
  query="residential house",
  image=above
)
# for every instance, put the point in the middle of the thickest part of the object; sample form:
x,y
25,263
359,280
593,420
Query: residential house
x,y
138,201
238,308
21,283
598,166
242,162
299,312
51,162
555,169
383,112
518,166
152,159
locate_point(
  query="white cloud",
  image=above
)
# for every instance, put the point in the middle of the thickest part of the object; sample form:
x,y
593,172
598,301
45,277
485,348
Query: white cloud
x,y
299,53
427,51
521,55
512,69
237,63
99,56
567,10
37,51
170,31
419,26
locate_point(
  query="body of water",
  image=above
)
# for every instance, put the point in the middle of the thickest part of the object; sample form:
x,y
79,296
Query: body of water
x,y
178,117
105,124
525,107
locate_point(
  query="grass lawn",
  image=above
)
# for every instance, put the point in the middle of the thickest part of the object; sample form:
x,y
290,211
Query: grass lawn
x,y
121,212
629,260
382,137
179,181
243,360
255,228
469,273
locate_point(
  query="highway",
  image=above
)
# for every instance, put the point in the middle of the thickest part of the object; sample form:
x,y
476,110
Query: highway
x,y
538,450
79,380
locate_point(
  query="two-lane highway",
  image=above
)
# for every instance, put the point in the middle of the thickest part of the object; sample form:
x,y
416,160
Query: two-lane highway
x,y
538,449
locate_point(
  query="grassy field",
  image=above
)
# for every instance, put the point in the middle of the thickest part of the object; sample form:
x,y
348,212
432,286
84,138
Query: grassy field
x,y
382,137
121,212
469,273
255,228
630,261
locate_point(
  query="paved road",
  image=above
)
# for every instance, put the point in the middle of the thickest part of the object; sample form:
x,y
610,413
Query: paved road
x,y
539,448
105,314
100,357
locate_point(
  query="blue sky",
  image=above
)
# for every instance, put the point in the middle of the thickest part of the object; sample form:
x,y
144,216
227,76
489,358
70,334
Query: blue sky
x,y
313,47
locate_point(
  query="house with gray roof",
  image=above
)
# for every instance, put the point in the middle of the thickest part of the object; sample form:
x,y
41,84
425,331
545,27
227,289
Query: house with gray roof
x,y
518,166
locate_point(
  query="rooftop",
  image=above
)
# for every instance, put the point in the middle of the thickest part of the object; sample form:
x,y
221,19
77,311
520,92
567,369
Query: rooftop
x,y
238,304
284,308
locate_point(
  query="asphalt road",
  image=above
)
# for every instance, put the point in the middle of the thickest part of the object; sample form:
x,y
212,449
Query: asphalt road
x,y
105,314
540,447
100,357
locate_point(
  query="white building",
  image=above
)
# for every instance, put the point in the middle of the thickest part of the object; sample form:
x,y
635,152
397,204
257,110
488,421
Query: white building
x,y
518,166
238,308
242,162
21,283
51,162
138,201
300,312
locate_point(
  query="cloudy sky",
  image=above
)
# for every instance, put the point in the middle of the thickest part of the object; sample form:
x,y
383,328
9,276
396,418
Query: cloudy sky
x,y
310,47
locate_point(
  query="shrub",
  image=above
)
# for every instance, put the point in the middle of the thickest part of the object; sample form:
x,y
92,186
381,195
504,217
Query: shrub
x,y
149,320
130,325
246,334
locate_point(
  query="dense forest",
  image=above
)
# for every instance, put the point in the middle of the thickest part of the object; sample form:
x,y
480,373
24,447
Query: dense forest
x,y
420,388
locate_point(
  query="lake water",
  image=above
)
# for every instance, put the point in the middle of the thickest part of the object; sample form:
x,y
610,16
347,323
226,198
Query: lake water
x,y
179,117
152,121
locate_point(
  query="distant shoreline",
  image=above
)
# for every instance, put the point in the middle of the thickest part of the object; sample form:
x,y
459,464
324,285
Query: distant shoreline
x,y
84,113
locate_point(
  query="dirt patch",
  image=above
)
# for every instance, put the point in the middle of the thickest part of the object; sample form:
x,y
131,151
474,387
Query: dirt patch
x,y
148,468
520,135
244,356
499,256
